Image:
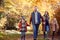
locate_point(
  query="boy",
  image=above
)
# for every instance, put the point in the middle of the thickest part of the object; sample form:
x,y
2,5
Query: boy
x,y
23,27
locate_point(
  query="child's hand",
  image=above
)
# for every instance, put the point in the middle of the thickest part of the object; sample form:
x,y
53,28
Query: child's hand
x,y
29,25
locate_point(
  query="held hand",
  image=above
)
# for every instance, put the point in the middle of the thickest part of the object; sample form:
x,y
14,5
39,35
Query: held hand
x,y
28,24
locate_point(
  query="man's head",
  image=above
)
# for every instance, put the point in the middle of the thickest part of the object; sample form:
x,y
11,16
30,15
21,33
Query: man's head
x,y
35,8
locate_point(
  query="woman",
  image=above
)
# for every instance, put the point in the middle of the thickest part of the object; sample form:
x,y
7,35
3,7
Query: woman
x,y
46,16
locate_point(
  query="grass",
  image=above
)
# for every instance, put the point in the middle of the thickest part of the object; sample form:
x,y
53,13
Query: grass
x,y
12,37
9,36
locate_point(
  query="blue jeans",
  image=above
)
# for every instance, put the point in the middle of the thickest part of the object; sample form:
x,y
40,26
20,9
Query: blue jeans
x,y
46,31
22,35
35,29
47,28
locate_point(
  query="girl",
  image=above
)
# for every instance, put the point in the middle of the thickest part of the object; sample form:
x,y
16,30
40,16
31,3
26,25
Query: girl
x,y
54,27
23,27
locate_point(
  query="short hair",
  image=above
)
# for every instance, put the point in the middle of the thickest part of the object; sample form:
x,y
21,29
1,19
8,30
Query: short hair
x,y
35,6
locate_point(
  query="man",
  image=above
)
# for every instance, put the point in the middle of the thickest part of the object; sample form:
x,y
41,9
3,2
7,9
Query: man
x,y
36,20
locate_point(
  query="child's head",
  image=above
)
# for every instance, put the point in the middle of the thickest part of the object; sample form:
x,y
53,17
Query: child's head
x,y
23,19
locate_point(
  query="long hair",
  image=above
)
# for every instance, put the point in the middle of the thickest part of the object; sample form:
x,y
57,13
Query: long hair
x,y
46,15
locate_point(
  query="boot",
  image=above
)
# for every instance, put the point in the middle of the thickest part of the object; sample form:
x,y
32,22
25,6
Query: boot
x,y
34,39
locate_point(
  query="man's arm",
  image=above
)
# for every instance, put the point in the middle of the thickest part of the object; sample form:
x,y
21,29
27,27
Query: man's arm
x,y
40,16
30,18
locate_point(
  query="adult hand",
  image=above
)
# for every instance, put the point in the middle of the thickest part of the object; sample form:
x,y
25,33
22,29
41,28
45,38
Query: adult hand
x,y
30,23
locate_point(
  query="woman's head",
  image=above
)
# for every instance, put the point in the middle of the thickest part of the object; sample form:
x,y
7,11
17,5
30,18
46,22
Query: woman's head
x,y
46,12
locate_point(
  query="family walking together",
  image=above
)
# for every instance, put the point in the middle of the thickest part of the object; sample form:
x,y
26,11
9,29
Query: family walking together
x,y
36,19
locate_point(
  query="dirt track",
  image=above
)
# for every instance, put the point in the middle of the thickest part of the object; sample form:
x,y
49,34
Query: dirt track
x,y
30,37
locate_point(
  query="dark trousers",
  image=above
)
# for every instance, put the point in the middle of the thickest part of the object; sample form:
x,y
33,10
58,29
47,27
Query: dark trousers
x,y
58,34
44,35
35,29
53,34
